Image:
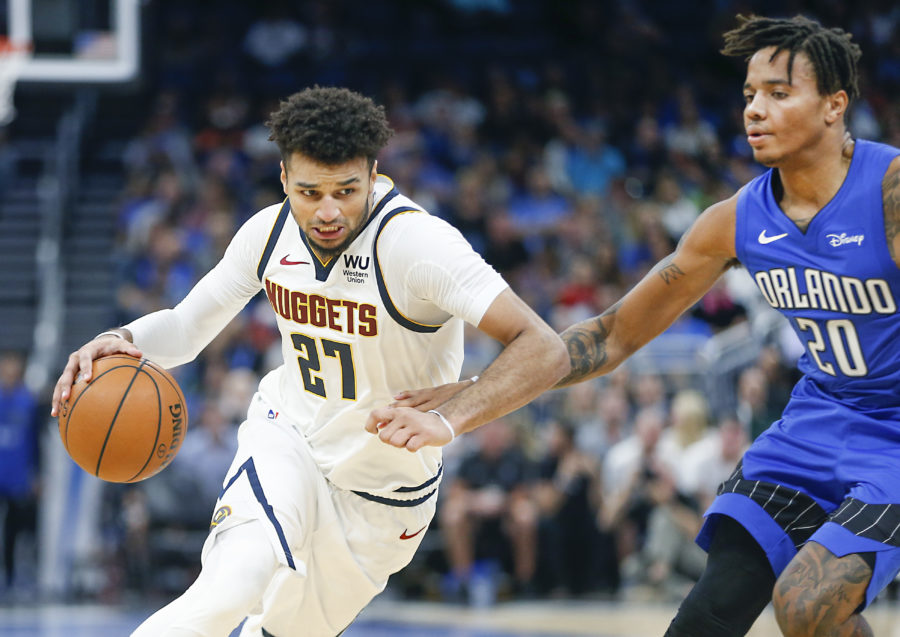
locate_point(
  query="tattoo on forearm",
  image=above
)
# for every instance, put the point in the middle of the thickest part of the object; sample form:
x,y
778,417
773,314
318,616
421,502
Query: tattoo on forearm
x,y
891,190
586,343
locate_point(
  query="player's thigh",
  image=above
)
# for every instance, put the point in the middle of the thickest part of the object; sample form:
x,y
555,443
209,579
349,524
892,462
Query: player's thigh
x,y
355,547
780,518
871,530
818,587
734,588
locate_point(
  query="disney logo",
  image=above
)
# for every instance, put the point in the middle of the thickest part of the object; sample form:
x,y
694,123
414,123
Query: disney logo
x,y
836,240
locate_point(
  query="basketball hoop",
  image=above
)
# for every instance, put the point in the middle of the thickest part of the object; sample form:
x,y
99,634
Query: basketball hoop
x,y
12,59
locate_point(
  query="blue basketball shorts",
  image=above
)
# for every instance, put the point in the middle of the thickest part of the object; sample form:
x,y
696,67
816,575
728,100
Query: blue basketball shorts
x,y
825,473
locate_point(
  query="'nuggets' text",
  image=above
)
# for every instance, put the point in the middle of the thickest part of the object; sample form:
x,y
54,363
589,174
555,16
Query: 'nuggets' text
x,y
340,315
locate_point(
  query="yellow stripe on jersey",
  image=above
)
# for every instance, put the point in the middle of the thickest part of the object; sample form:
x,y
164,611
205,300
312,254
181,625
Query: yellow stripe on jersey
x,y
392,308
274,233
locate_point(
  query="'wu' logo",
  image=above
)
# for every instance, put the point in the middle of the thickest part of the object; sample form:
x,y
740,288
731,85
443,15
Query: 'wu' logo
x,y
356,262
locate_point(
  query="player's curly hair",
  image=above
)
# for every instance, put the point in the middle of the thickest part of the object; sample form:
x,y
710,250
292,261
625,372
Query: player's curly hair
x,y
833,55
329,125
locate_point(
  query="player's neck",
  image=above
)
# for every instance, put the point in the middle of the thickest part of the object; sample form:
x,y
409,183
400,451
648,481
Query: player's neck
x,y
809,182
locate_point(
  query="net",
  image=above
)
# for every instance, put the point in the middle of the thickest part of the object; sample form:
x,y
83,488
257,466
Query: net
x,y
12,60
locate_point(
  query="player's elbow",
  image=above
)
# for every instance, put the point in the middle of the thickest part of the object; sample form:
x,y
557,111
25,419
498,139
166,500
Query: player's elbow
x,y
556,356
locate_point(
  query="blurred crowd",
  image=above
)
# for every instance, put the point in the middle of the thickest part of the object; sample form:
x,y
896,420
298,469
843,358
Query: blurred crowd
x,y
572,143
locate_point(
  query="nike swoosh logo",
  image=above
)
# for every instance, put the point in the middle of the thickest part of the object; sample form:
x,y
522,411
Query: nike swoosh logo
x,y
763,239
404,536
285,261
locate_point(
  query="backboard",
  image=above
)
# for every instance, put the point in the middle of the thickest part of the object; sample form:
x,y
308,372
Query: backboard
x,y
76,41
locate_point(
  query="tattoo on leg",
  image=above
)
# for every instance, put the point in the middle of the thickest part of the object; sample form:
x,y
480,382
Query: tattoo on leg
x,y
819,593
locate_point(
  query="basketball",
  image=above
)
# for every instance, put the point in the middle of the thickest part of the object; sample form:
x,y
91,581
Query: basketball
x,y
128,423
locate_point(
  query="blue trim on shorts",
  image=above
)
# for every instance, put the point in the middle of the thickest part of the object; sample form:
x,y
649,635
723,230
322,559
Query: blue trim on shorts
x,y
250,469
841,542
777,544
396,502
425,484
392,502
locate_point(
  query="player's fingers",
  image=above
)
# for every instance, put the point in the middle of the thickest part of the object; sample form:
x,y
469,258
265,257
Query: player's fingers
x,y
85,363
54,406
378,417
416,442
64,384
408,401
127,348
400,437
386,431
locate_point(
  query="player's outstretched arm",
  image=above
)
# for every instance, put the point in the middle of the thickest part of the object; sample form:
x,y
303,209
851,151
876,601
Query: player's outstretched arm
x,y
890,187
599,344
429,397
533,358
81,361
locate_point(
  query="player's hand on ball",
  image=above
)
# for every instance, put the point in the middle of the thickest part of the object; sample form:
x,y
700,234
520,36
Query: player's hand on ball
x,y
409,428
81,362
429,397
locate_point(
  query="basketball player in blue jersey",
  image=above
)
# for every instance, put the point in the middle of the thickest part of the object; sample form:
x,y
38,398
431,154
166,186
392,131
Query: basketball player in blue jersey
x,y
330,492
810,518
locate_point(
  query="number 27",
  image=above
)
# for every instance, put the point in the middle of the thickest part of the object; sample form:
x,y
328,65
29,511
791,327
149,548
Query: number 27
x,y
309,362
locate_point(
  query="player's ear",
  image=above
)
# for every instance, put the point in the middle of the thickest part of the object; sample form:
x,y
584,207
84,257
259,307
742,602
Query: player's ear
x,y
284,178
835,106
374,174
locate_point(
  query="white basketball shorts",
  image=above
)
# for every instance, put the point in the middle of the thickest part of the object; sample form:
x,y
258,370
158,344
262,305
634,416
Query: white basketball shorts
x,y
337,548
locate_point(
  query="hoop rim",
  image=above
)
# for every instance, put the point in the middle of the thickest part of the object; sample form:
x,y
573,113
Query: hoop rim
x,y
9,47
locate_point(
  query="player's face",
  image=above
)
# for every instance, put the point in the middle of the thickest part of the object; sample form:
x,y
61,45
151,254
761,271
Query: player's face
x,y
784,119
329,203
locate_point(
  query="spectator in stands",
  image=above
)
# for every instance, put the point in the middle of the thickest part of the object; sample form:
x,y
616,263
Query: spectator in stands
x,y
688,424
537,209
275,43
574,556
718,308
677,210
631,470
753,407
488,513
690,134
19,477
592,163
711,460
669,555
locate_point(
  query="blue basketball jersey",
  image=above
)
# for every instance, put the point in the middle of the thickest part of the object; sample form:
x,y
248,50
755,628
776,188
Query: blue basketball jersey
x,y
826,471
836,283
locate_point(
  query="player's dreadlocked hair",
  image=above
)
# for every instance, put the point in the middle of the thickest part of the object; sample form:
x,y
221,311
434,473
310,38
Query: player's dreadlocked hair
x,y
832,54
329,125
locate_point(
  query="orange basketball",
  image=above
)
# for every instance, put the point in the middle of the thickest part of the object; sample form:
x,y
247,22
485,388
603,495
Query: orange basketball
x,y
127,424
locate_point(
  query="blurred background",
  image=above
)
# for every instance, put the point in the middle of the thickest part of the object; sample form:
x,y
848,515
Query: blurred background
x,y
571,141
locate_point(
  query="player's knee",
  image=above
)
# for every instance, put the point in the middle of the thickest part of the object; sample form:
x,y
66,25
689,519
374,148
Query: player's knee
x,y
797,607
238,569
698,615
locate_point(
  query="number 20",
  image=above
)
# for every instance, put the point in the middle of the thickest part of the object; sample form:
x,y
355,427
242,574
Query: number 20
x,y
849,358
309,362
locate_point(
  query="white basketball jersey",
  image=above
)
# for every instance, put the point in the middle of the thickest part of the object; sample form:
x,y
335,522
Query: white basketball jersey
x,y
380,317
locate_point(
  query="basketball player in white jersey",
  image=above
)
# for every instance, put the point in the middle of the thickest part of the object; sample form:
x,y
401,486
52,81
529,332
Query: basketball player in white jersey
x,y
332,490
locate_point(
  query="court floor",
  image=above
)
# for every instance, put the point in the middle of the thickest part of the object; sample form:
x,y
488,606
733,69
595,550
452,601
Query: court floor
x,y
403,619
